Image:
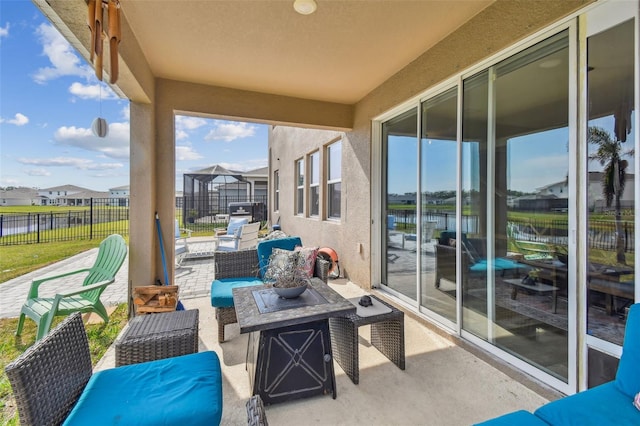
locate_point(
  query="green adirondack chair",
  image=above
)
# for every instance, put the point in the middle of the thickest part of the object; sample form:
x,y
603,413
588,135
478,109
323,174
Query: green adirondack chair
x,y
42,310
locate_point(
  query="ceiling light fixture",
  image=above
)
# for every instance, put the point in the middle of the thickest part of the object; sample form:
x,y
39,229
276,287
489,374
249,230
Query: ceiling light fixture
x,y
305,7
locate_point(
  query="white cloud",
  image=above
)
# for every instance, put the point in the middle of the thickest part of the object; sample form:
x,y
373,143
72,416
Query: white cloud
x,y
79,163
115,145
63,59
181,134
186,153
92,91
126,113
18,120
4,31
74,162
37,172
229,131
189,123
5,181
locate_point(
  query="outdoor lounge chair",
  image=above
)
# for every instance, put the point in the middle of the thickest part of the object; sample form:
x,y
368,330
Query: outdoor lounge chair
x,y
182,245
245,238
111,255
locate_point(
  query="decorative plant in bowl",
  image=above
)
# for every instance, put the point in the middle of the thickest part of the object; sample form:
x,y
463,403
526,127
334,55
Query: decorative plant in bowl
x,y
285,274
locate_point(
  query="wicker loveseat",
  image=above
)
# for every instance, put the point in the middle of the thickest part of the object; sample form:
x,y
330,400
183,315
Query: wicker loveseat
x,y
246,268
52,382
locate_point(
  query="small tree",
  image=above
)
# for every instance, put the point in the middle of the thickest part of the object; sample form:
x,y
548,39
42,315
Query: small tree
x,y
609,154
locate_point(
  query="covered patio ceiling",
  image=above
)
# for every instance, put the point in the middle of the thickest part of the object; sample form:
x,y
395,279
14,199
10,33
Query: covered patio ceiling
x,y
338,54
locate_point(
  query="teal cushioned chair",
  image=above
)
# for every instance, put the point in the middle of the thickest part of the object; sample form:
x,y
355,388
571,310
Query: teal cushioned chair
x,y
240,269
608,404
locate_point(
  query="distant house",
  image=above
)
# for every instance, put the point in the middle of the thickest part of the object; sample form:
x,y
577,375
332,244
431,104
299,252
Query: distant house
x,y
19,197
54,196
119,196
82,198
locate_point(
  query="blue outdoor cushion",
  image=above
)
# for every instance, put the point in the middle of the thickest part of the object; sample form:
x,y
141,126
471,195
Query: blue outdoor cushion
x,y
221,290
183,390
517,418
500,264
235,224
628,374
599,406
266,247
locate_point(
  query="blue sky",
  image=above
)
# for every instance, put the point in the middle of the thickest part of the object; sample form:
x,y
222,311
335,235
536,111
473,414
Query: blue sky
x,y
49,96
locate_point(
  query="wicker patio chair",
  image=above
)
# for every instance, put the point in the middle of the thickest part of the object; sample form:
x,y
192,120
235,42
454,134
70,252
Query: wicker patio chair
x,y
255,412
244,264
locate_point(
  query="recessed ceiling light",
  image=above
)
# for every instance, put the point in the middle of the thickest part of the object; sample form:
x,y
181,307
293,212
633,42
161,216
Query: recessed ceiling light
x,y
305,7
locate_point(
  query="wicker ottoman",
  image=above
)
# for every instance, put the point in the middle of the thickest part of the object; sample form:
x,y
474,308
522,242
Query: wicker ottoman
x,y
387,335
157,336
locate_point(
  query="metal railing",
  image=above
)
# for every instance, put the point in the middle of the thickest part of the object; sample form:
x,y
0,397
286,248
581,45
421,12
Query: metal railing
x,y
102,217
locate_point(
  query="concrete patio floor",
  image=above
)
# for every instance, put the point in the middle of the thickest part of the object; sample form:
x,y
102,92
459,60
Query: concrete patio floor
x,y
446,381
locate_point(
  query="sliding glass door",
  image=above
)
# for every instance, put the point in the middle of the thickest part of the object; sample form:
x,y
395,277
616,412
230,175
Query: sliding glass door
x,y
438,171
515,176
400,139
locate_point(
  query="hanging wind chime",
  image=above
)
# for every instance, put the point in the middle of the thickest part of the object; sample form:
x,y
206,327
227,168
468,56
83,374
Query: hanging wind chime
x,y
100,31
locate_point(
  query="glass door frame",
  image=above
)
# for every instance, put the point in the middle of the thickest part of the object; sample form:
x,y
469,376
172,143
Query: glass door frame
x,y
596,20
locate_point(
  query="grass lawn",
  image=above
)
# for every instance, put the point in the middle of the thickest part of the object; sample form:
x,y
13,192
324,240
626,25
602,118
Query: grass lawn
x,y
18,260
101,336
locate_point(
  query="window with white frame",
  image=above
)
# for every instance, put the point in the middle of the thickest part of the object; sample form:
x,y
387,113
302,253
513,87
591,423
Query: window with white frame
x,y
276,191
314,184
300,186
334,179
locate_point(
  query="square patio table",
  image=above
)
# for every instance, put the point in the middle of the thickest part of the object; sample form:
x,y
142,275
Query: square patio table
x,y
289,349
157,336
387,335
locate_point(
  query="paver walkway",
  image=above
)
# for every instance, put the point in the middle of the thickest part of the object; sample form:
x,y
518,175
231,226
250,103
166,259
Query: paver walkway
x,y
194,279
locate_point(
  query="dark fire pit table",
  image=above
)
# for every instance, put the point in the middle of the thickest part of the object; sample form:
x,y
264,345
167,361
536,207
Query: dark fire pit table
x,y
289,351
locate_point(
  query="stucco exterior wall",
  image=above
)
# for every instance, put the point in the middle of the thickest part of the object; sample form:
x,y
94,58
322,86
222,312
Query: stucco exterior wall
x,y
494,29
295,143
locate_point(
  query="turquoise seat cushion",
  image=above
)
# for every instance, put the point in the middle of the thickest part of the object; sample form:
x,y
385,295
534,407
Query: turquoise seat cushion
x,y
517,418
628,374
602,405
183,390
221,290
500,264
266,247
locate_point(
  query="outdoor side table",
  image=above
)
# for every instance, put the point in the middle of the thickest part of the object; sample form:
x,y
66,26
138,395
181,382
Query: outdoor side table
x,y
157,336
387,335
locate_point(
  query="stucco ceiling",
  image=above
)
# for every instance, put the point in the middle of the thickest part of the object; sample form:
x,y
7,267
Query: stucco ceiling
x,y
337,54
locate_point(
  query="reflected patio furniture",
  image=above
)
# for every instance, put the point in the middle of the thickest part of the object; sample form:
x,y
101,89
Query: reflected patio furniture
x,y
473,258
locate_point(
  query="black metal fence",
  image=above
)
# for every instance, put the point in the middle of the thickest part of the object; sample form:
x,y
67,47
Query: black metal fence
x,y
102,217
601,234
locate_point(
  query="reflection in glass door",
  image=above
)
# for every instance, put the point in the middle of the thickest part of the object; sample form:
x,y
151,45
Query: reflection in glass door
x,y
611,172
438,170
399,267
514,235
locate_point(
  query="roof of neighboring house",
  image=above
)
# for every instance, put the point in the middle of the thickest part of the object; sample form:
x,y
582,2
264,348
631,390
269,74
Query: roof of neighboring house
x,y
65,188
19,193
260,171
120,188
86,194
